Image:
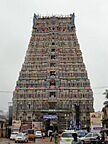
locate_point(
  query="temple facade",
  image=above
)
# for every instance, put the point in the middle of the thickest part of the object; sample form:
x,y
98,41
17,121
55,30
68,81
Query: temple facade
x,y
53,85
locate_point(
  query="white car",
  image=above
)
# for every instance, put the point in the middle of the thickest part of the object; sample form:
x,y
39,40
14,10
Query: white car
x,y
13,135
21,137
66,137
38,134
89,137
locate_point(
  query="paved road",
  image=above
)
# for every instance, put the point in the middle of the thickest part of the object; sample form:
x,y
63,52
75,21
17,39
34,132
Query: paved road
x,y
38,141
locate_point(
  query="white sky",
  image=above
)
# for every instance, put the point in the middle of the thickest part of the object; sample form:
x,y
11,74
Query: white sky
x,y
92,32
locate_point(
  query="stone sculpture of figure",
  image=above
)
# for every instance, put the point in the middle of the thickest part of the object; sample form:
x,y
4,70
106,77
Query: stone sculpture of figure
x,y
35,19
73,18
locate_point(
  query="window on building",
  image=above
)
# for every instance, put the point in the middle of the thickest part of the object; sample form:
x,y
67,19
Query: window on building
x,y
52,64
53,43
29,118
52,105
52,50
52,73
20,117
1,125
52,94
29,106
53,56
52,83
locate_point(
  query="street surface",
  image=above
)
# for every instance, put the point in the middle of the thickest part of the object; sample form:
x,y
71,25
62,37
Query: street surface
x,y
38,141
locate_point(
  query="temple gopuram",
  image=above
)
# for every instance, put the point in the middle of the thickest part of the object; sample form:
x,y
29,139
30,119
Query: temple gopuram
x,y
53,86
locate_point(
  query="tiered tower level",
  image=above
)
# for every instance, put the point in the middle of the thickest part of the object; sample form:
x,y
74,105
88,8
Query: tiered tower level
x,y
53,80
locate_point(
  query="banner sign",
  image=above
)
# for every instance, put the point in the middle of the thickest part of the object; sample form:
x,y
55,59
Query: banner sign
x,y
50,117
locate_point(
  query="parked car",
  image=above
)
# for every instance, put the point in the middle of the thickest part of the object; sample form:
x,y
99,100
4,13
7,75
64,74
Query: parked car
x,y
104,134
21,137
91,136
66,137
81,133
13,135
38,134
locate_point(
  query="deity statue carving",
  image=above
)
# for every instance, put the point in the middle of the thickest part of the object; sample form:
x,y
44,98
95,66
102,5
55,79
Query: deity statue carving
x,y
73,18
35,18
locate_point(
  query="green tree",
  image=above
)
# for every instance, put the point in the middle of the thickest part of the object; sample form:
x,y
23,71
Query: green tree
x,y
106,96
105,110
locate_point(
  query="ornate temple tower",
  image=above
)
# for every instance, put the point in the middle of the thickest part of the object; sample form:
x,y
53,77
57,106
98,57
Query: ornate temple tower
x,y
53,83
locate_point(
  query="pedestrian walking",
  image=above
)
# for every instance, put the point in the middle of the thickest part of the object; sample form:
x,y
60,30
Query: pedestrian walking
x,y
50,136
56,137
76,140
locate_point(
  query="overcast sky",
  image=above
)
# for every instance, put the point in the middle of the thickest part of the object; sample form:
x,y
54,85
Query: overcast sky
x,y
15,32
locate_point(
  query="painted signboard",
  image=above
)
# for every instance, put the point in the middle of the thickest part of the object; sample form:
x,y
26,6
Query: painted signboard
x,y
96,121
16,124
37,125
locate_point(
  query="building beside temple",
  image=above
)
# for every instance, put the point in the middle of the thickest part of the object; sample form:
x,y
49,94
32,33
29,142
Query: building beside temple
x,y
3,125
53,85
